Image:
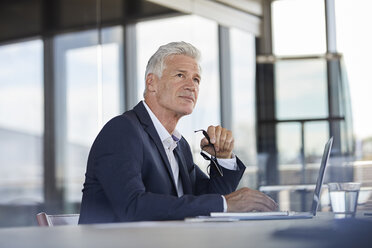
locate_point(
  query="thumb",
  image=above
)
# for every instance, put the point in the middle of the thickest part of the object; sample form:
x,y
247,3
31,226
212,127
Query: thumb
x,y
203,143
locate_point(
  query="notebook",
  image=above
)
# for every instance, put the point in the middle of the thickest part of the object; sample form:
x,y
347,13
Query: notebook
x,y
284,214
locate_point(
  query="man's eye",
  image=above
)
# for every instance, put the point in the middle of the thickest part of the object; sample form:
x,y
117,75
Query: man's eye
x,y
180,75
197,80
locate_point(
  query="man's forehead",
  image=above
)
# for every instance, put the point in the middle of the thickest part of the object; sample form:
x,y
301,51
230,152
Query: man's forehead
x,y
182,63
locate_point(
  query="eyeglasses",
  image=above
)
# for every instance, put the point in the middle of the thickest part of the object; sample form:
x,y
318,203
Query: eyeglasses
x,y
206,157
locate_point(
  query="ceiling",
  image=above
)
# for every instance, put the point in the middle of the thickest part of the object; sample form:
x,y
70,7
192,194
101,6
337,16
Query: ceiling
x,y
242,14
22,19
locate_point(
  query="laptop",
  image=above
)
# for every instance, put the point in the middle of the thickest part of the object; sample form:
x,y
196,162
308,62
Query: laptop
x,y
220,216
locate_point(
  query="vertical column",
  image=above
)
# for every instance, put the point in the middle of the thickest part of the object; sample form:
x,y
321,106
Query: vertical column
x,y
333,75
130,65
50,190
52,195
330,26
225,76
265,99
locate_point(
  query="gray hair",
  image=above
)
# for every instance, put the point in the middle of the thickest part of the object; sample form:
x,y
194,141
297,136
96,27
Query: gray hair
x,y
156,63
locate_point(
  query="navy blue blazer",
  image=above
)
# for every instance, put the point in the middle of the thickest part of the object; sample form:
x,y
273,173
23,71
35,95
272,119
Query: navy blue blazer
x,y
129,177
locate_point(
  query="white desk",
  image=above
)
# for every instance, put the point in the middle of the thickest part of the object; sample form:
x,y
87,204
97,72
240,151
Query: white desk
x,y
167,234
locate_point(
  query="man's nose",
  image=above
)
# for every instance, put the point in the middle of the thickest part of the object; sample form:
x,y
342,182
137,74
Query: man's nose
x,y
191,85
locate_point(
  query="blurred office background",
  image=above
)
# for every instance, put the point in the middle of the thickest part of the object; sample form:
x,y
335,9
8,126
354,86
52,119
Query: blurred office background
x,y
284,75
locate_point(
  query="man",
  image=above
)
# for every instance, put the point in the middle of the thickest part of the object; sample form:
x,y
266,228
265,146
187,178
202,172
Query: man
x,y
141,168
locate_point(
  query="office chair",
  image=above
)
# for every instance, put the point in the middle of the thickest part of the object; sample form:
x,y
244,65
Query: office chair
x,y
44,219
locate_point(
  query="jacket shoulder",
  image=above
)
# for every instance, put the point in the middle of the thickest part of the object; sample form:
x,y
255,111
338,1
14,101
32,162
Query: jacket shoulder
x,y
119,132
123,121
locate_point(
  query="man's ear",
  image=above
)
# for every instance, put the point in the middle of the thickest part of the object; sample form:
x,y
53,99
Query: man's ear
x,y
151,82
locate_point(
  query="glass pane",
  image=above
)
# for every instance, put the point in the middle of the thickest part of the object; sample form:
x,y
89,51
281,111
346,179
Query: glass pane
x,y
301,89
298,27
289,147
243,102
288,143
316,136
92,79
21,122
243,92
353,19
202,33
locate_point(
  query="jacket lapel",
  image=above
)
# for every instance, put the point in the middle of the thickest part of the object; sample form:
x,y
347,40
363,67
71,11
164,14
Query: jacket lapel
x,y
149,127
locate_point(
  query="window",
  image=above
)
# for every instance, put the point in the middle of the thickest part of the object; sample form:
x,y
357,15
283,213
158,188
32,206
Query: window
x,y
202,33
290,145
301,89
88,79
354,40
243,102
316,133
301,95
21,122
298,27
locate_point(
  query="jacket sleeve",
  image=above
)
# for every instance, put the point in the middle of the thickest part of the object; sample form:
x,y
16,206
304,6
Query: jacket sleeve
x,y
214,184
217,184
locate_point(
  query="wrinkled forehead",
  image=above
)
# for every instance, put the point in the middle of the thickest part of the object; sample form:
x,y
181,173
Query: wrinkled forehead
x,y
182,62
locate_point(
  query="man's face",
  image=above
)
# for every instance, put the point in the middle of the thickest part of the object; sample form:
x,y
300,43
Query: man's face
x,y
178,88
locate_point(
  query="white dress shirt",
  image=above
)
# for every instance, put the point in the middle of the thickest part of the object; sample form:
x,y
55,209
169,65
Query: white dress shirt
x,y
170,143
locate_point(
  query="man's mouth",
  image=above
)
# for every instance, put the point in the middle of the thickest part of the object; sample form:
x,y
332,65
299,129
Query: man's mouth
x,y
190,98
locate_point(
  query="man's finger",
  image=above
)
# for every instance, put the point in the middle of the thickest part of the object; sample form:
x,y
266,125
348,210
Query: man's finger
x,y
246,199
228,141
218,131
222,139
258,206
267,201
211,133
204,142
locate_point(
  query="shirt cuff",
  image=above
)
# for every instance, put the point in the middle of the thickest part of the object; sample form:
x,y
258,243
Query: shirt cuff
x,y
224,204
228,163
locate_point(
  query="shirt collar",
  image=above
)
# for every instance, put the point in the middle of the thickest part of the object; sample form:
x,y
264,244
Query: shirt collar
x,y
160,129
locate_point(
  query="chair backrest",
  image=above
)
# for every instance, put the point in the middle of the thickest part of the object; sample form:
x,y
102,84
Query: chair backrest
x,y
44,219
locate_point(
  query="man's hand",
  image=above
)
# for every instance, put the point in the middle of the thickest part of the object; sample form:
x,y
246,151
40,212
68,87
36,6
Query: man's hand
x,y
247,200
222,140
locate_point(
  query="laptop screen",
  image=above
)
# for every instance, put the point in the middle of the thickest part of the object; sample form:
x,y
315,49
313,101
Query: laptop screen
x,y
319,182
